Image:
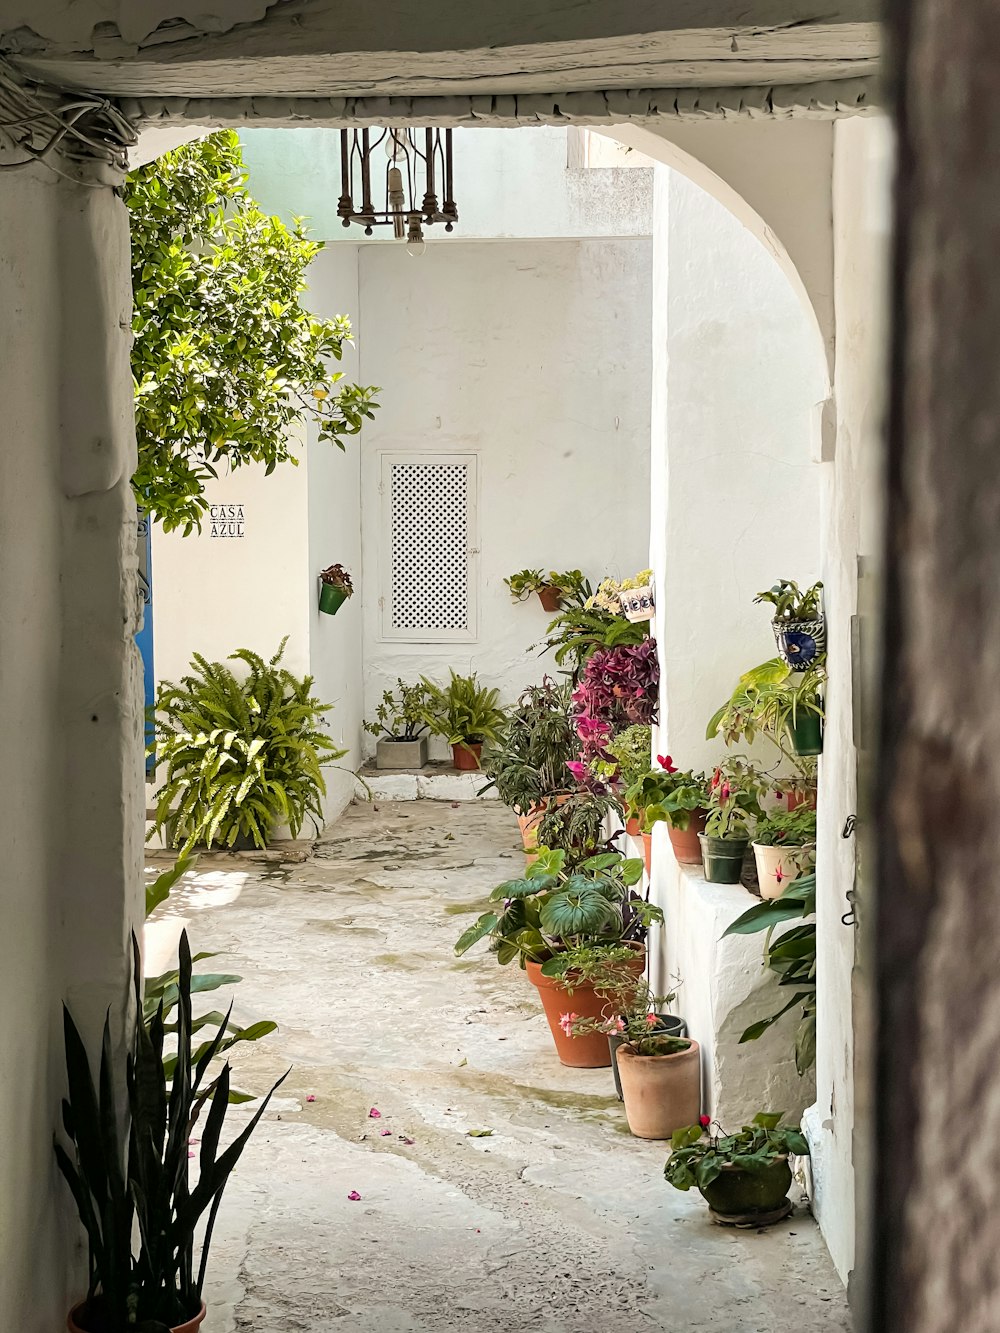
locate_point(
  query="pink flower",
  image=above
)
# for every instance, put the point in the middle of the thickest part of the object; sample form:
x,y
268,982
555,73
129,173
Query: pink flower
x,y
666,763
385,1132
566,1023
374,1114
618,1025
779,874
725,793
311,1097
651,1020
403,1138
354,1196
704,1121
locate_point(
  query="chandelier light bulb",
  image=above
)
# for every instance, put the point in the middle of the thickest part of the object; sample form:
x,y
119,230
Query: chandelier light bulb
x,y
397,202
414,236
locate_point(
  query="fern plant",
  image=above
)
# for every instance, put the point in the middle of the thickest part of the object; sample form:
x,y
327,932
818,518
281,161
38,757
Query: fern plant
x,y
240,755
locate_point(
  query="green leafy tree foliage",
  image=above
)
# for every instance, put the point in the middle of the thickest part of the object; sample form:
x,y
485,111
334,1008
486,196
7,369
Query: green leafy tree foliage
x,y
225,358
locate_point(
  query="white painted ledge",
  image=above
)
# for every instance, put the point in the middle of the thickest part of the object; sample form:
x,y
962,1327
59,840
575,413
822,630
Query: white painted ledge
x,y
429,784
723,989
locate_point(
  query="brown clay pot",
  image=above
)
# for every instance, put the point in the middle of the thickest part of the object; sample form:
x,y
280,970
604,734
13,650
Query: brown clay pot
x,y
586,1052
528,824
647,851
77,1312
550,599
796,798
633,828
467,758
687,848
661,1092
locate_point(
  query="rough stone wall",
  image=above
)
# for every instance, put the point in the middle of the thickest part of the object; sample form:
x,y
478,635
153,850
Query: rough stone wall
x,y
936,1263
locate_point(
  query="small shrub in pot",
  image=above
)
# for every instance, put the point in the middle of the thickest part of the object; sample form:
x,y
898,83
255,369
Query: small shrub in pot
x,y
400,727
465,713
734,795
743,1177
784,844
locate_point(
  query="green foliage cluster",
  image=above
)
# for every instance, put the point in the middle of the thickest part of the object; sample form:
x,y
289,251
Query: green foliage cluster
x,y
790,602
534,742
629,751
555,908
768,700
787,828
577,826
791,957
658,796
463,711
225,358
576,632
401,713
240,756
697,1158
129,1174
572,587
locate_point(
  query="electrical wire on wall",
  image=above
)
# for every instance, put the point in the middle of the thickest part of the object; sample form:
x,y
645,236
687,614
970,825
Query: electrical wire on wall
x,y
39,122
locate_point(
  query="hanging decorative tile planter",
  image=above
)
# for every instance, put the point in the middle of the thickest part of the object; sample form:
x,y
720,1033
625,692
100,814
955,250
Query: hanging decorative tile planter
x,y
638,603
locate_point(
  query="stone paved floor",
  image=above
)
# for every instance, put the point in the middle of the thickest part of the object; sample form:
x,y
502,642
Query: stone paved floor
x,y
558,1222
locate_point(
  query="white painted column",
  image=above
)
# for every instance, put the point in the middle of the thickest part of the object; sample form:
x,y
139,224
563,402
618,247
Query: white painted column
x,y
737,371
70,695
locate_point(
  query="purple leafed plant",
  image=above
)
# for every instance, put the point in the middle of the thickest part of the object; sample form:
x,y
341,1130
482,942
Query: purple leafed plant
x,y
620,687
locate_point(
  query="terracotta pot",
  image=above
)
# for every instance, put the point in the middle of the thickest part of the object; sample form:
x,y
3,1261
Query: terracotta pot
x,y
633,828
661,1092
550,598
528,824
467,757
797,797
586,1052
736,1192
77,1312
778,866
687,848
672,1025
647,851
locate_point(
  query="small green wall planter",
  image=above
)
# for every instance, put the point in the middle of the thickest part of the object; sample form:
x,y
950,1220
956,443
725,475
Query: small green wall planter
x,y
331,598
806,734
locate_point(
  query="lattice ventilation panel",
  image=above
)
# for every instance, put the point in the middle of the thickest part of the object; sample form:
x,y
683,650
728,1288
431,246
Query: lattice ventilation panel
x,y
430,539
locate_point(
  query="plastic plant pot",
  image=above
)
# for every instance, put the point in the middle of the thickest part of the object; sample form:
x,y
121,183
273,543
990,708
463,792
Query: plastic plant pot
x,y
806,733
722,858
331,598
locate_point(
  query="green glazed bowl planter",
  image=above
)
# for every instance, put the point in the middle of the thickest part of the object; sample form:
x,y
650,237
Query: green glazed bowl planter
x,y
722,858
332,598
750,1198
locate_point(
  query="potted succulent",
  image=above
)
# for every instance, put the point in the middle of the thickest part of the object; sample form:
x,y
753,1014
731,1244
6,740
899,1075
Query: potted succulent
x,y
400,727
561,924
784,844
554,590
335,587
679,799
734,794
466,714
744,1178
127,1165
798,623
635,597
527,762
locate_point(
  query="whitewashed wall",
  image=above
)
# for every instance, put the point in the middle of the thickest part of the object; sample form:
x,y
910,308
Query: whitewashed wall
x,y
738,368
535,356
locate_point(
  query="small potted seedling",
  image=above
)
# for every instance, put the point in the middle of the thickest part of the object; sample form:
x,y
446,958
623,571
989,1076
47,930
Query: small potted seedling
x,y
335,588
400,727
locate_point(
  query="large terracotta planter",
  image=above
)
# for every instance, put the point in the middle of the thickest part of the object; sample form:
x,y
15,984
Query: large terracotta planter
x,y
684,841
528,824
591,1050
661,1092
671,1025
77,1312
467,757
778,866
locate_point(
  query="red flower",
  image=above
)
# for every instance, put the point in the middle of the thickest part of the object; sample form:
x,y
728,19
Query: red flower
x,y
726,790
715,779
666,763
704,1121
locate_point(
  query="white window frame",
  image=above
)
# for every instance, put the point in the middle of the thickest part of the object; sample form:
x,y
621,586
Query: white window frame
x,y
389,632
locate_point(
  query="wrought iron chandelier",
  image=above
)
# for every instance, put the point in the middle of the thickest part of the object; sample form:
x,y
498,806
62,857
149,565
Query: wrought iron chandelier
x,y
412,178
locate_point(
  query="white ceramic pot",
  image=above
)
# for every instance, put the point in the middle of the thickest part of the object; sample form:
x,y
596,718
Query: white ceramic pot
x,y
778,866
637,603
